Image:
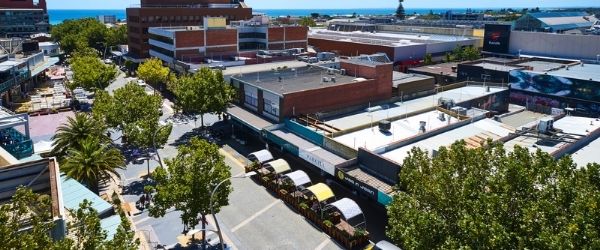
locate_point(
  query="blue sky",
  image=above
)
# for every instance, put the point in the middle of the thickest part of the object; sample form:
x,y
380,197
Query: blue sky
x,y
346,4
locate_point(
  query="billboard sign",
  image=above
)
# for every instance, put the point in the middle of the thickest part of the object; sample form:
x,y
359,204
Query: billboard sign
x,y
496,38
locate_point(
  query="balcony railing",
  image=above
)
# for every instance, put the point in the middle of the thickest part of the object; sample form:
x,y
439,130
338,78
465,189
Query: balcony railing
x,y
6,85
16,143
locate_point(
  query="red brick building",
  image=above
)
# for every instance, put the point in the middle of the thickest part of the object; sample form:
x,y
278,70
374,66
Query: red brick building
x,y
170,13
286,93
219,41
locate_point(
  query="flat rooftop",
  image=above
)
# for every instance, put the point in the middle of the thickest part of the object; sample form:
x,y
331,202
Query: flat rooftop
x,y
474,134
581,71
372,138
392,39
295,80
569,124
372,181
445,68
587,154
400,78
541,66
397,109
522,118
497,67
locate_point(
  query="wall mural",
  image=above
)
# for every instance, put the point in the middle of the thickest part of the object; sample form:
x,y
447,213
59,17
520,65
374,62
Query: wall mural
x,y
555,85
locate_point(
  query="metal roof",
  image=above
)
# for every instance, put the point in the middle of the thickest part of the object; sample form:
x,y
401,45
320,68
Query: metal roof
x,y
74,193
587,154
565,20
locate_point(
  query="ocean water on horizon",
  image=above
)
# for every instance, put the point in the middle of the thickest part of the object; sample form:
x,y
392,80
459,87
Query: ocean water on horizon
x,y
57,16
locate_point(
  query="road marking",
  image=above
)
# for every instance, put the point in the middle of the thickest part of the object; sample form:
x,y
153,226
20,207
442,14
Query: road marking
x,y
323,244
243,223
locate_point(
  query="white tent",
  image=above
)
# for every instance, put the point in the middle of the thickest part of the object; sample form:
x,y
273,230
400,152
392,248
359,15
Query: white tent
x,y
261,156
298,177
347,207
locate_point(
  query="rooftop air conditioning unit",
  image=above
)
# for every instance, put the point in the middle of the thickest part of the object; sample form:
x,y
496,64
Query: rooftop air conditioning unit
x,y
325,79
459,110
442,116
385,126
422,127
545,125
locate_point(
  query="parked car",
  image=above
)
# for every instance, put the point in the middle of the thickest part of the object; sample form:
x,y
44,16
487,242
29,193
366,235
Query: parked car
x,y
141,83
313,60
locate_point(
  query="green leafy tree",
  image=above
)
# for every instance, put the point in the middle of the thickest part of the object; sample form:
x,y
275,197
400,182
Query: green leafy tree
x,y
35,209
307,21
75,131
486,198
80,33
400,12
448,57
188,182
153,72
133,112
470,53
92,74
117,36
93,162
428,59
202,93
30,207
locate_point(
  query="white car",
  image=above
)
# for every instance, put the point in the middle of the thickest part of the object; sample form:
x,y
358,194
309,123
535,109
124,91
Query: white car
x,y
141,82
108,61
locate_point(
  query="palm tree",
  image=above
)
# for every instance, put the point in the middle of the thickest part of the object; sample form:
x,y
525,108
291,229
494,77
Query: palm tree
x,y
92,162
75,131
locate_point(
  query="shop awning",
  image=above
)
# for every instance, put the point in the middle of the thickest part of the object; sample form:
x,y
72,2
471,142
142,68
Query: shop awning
x,y
347,207
261,156
299,178
321,191
279,166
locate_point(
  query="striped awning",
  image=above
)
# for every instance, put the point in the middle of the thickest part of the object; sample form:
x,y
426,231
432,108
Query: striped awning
x,y
279,166
261,156
321,191
298,177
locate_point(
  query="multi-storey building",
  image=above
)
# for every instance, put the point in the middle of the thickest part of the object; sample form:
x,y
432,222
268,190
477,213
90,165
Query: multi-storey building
x,y
22,18
163,13
218,41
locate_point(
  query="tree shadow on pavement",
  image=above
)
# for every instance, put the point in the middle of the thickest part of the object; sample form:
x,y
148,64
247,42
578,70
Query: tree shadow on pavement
x,y
137,187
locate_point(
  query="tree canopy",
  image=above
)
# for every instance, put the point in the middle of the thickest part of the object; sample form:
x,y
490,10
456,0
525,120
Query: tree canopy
x,y
135,113
188,181
308,22
90,73
84,225
202,93
73,35
486,198
400,12
93,162
153,72
75,131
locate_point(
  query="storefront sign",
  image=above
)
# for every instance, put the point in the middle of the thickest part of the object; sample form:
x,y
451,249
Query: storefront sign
x,y
362,187
308,156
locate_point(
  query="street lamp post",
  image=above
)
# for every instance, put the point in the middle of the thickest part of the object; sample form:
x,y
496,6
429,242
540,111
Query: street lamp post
x,y
212,211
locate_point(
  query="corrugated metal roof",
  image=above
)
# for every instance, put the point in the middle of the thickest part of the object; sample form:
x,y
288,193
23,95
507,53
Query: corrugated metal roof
x,y
111,224
565,20
74,193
